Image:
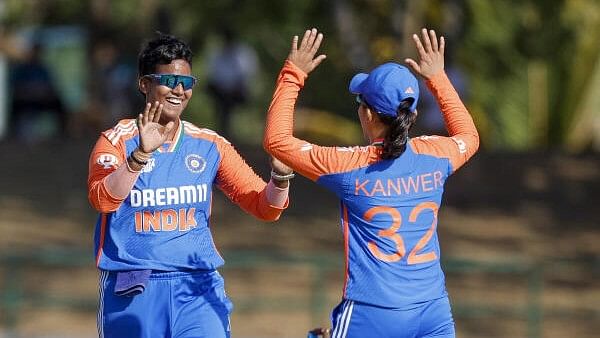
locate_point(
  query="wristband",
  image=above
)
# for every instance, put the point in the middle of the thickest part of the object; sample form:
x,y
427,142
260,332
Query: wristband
x,y
138,161
278,177
144,156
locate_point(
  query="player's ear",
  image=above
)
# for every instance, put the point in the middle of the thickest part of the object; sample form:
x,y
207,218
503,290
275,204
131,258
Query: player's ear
x,y
143,85
371,116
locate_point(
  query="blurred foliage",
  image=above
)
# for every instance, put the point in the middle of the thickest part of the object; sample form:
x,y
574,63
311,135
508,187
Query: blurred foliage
x,y
528,61
505,39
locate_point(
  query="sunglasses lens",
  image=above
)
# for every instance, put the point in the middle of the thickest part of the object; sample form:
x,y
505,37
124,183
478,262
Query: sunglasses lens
x,y
187,82
167,80
172,81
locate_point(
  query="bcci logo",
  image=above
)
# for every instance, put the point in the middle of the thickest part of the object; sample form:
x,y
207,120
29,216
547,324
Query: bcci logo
x,y
195,163
107,161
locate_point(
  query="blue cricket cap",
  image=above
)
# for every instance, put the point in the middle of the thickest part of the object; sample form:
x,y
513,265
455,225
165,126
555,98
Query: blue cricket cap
x,y
385,87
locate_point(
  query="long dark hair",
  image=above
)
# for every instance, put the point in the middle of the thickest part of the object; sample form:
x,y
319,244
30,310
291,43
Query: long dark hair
x,y
394,143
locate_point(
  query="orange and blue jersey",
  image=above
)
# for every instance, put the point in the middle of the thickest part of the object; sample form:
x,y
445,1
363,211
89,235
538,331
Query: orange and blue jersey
x,y
389,208
164,223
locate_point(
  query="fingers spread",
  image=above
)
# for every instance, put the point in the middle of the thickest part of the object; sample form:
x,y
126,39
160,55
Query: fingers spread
x,y
318,60
158,112
152,111
311,38
420,49
426,41
145,114
303,54
434,41
294,44
414,65
442,45
139,120
317,43
305,40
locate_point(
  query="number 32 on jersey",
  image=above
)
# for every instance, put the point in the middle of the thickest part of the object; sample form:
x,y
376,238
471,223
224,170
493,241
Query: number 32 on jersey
x,y
414,257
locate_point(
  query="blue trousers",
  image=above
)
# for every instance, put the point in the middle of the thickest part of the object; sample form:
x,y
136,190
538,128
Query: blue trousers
x,y
433,318
173,305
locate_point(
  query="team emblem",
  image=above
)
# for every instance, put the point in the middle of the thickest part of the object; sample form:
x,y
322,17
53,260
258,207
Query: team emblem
x,y
195,163
107,161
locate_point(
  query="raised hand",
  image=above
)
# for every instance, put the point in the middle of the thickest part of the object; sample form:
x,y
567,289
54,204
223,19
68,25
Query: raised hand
x,y
431,54
304,56
152,133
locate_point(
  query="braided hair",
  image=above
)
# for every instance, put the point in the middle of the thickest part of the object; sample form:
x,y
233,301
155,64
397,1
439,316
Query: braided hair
x,y
394,143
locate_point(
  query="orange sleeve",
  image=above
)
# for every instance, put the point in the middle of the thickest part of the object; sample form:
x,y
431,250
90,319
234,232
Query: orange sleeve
x,y
242,186
104,160
308,159
464,139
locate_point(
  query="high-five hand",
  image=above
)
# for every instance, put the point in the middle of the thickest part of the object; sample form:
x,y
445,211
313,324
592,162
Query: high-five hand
x,y
431,54
152,133
304,56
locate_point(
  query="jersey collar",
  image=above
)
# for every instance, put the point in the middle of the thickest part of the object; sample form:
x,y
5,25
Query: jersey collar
x,y
171,146
378,142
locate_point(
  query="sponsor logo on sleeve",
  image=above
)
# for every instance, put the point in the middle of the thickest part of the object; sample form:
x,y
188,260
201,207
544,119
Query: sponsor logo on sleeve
x,y
462,146
107,161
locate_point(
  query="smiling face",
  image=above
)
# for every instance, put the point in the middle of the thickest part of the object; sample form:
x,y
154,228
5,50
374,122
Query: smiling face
x,y
174,100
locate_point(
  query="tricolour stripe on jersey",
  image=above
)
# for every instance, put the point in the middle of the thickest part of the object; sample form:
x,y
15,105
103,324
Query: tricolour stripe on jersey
x,y
346,245
341,327
192,129
121,130
175,143
102,234
178,142
100,318
120,127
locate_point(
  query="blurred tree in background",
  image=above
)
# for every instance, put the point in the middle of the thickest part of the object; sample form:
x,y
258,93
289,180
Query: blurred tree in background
x,y
533,65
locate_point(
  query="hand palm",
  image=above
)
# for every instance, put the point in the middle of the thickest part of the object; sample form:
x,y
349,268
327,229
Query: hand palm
x,y
431,54
304,56
152,133
152,136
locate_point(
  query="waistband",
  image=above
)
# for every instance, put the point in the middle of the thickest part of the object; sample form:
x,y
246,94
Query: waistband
x,y
178,274
158,274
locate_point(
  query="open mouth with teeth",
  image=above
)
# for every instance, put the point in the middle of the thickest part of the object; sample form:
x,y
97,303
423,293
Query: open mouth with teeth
x,y
174,101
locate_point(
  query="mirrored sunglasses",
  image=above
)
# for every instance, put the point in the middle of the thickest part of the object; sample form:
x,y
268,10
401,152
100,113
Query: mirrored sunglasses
x,y
173,80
